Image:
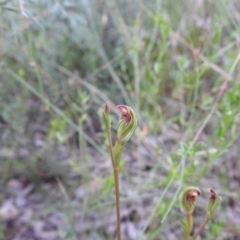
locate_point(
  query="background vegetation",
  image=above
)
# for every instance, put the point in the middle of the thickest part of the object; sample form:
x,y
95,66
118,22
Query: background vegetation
x,y
175,62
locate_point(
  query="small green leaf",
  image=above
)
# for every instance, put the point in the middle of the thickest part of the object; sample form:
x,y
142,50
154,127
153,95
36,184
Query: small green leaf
x,y
217,35
184,225
117,152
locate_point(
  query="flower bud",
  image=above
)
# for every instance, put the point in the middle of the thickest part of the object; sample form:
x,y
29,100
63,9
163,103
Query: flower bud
x,y
106,115
127,123
213,204
187,199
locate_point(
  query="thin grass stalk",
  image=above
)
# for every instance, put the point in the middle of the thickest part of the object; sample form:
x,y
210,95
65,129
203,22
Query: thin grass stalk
x,y
203,225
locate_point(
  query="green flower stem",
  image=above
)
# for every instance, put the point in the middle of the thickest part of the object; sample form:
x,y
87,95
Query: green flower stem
x,y
117,152
117,195
110,146
189,224
116,184
203,225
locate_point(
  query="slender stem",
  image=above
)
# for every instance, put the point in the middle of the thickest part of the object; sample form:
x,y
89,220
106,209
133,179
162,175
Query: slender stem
x,y
116,170
189,226
203,225
110,146
186,236
116,183
189,223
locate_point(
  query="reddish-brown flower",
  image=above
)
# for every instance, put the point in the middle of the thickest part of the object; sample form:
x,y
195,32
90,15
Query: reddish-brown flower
x,y
187,199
